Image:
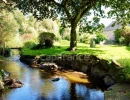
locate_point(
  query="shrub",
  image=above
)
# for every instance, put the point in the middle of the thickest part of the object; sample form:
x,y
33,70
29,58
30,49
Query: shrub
x,y
66,34
6,52
126,34
85,38
29,44
100,37
46,39
121,40
117,34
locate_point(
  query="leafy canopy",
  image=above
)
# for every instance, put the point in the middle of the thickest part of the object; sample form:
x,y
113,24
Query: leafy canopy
x,y
76,10
8,25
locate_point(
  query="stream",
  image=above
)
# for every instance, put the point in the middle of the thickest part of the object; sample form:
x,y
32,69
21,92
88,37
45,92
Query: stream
x,y
39,86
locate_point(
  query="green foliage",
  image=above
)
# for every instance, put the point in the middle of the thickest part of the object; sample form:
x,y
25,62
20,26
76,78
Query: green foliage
x,y
46,39
121,40
48,25
5,52
66,34
100,37
126,34
75,12
92,26
20,19
29,44
123,35
85,38
117,34
8,26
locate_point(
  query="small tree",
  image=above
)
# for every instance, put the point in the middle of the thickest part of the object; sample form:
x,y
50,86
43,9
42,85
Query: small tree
x,y
46,39
100,37
8,27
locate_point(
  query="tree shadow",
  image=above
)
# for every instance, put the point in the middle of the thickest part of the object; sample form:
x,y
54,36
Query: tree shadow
x,y
128,48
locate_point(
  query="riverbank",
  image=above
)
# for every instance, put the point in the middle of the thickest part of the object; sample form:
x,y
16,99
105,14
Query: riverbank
x,y
118,92
107,72
2,58
39,84
109,52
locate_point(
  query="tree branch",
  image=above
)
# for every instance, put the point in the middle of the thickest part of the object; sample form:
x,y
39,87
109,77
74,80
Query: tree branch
x,y
63,5
86,11
84,8
58,4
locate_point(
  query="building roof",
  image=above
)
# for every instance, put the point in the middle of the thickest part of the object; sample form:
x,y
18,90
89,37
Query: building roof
x,y
111,27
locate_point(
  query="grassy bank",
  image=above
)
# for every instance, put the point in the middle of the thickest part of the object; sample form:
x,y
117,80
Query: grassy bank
x,y
2,58
111,52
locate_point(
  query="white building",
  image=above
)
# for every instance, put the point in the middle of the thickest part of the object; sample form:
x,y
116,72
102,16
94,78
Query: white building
x,y
109,30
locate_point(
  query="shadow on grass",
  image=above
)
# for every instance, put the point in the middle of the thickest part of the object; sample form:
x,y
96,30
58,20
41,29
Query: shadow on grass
x,y
128,48
62,50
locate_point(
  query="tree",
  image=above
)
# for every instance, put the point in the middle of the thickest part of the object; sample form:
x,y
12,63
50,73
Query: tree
x,y
8,26
20,18
48,25
75,11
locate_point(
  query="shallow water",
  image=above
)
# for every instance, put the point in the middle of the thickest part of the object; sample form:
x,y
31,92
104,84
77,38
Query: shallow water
x,y
39,85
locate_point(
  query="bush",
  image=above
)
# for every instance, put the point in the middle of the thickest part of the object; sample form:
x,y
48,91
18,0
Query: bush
x,y
126,34
46,39
65,33
121,40
85,38
29,44
117,34
6,52
100,37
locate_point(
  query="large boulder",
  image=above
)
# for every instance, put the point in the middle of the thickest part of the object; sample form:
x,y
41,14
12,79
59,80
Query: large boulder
x,y
116,72
27,59
98,71
108,81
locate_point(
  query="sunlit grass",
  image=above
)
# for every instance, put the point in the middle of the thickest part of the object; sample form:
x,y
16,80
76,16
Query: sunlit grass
x,y
110,52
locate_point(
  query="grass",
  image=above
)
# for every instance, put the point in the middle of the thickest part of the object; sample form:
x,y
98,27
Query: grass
x,y
110,52
1,58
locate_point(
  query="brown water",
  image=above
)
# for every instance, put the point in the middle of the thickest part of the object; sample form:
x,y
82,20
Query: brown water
x,y
38,85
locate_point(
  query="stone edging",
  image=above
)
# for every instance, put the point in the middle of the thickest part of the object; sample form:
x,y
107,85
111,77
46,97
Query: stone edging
x,y
110,72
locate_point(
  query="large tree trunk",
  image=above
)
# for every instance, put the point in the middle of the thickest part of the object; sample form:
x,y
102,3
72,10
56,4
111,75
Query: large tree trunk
x,y
73,37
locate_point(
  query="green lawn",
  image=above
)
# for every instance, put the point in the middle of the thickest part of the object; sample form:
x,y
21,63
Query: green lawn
x,y
111,52
116,52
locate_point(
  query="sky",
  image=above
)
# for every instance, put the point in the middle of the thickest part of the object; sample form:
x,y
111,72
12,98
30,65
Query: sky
x,y
105,21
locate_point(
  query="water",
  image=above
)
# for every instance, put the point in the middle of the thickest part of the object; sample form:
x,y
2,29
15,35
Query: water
x,y
38,85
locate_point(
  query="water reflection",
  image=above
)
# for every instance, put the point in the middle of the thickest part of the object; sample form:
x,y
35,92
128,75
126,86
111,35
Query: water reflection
x,y
38,85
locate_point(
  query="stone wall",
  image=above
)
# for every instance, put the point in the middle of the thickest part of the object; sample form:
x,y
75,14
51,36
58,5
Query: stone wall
x,y
109,72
